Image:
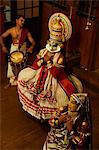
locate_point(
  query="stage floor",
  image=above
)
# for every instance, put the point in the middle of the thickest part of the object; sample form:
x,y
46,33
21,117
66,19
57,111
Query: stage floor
x,y
21,131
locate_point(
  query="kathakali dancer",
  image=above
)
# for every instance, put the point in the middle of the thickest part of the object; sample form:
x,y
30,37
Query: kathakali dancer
x,y
70,126
44,87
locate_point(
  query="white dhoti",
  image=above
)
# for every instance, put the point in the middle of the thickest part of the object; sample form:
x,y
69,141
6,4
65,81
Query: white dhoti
x,y
10,73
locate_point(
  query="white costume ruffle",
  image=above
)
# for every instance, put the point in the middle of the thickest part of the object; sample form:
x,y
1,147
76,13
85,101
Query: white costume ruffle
x,y
39,103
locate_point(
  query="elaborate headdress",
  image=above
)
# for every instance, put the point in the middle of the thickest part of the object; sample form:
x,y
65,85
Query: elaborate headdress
x,y
60,31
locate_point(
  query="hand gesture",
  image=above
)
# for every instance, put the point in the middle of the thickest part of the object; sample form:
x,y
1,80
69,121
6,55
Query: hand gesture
x,y
63,118
48,56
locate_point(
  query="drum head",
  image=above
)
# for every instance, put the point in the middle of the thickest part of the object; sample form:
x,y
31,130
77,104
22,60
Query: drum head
x,y
16,57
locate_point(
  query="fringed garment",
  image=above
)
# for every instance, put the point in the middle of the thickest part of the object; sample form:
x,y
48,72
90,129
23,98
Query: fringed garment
x,y
44,87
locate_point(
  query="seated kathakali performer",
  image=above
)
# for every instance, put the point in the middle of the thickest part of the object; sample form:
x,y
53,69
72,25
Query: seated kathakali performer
x,y
70,125
45,86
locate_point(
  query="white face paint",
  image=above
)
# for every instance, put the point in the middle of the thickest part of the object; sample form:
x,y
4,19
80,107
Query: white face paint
x,y
52,48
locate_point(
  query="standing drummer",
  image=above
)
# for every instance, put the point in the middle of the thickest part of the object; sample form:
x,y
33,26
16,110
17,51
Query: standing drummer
x,y
19,35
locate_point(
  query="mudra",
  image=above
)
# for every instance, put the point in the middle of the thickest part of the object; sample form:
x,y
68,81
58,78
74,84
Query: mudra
x,y
44,87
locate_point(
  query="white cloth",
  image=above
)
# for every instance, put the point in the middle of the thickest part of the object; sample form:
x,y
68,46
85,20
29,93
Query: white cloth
x,y
41,101
9,71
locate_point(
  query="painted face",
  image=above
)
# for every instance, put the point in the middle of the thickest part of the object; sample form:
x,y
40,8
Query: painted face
x,y
72,105
52,46
20,21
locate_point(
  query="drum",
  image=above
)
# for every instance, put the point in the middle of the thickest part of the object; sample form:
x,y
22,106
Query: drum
x,y
16,57
18,61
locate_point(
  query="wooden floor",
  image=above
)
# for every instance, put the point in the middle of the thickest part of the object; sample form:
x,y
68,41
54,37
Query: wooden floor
x,y
20,131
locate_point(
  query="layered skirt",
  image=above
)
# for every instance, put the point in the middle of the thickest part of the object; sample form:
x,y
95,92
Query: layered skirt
x,y
41,92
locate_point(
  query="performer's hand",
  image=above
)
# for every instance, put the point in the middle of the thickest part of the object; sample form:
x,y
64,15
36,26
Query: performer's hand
x,y
51,122
54,122
48,56
4,49
63,118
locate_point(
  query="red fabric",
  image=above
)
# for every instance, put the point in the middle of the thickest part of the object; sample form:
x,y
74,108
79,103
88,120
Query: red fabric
x,y
23,36
35,65
40,76
66,83
43,78
55,71
62,78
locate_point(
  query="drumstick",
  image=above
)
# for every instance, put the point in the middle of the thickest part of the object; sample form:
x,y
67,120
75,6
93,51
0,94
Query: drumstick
x,y
12,57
